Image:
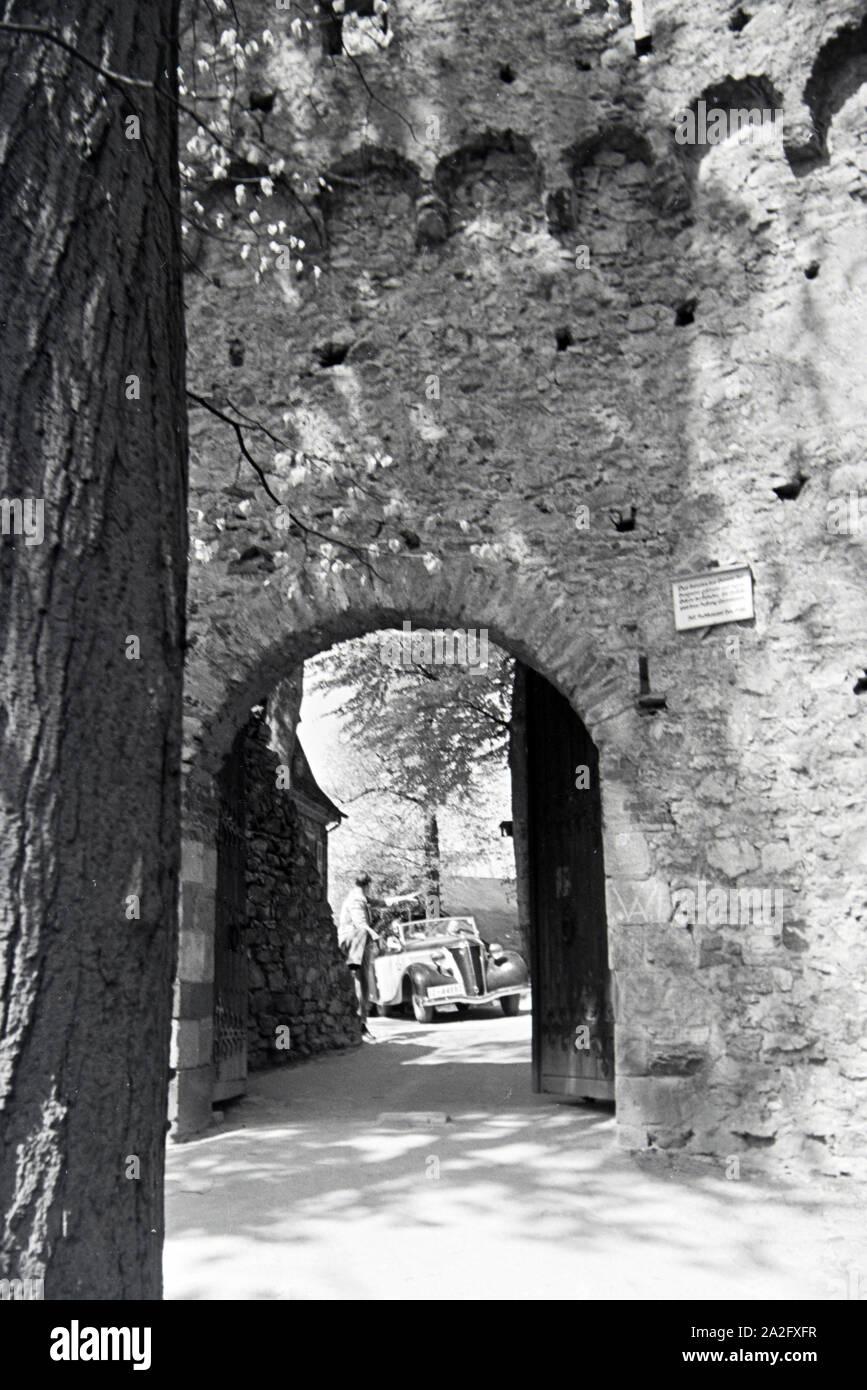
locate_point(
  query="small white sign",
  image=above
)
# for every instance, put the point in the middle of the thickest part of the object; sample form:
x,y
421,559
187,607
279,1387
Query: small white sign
x,y
717,596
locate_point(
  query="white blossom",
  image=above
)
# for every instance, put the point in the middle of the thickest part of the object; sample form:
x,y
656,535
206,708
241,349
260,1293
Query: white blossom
x,y
202,551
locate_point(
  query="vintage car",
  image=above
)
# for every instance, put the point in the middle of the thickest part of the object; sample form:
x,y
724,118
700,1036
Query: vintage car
x,y
442,963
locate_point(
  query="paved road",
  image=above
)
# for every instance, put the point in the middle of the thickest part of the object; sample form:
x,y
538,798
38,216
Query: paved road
x,y
424,1168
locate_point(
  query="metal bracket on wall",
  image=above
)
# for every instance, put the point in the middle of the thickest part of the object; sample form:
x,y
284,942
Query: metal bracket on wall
x,y
649,701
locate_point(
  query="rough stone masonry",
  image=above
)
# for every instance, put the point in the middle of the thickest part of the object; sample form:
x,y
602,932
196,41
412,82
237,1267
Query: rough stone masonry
x,y
527,359
298,981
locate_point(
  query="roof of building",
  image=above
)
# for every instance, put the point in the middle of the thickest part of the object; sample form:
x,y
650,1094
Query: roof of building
x,y
307,790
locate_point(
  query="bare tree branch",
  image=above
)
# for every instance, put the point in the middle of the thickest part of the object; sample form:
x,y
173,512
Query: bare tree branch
x,y
384,104
238,428
384,791
35,31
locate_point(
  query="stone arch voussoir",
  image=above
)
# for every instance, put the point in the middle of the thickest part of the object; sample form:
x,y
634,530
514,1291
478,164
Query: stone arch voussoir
x,y
248,651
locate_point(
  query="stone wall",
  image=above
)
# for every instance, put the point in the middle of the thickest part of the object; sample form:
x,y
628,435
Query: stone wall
x,y
297,977
482,424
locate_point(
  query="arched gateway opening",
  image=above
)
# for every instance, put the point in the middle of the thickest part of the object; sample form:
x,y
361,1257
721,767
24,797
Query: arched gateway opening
x,y
558,797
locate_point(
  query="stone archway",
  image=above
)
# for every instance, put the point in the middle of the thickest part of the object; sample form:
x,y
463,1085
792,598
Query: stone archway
x,y
520,614
532,360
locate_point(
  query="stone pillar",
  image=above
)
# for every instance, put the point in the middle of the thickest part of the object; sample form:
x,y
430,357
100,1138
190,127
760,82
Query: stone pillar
x,y
192,1058
662,1036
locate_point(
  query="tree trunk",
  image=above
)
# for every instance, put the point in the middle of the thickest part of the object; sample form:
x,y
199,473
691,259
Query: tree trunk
x,y
90,297
432,865
520,831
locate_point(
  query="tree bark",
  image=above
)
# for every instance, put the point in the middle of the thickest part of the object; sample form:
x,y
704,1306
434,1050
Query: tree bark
x,y
433,906
90,296
520,793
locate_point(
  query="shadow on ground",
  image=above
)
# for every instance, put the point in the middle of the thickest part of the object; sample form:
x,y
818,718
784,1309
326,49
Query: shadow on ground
x,y
424,1167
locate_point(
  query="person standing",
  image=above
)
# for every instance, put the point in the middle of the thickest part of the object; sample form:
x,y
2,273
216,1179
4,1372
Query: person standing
x,y
356,938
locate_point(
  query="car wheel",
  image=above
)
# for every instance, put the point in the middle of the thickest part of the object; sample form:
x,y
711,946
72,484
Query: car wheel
x,y
510,1004
422,1012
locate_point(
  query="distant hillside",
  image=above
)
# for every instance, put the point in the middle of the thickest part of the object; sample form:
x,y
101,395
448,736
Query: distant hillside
x,y
490,900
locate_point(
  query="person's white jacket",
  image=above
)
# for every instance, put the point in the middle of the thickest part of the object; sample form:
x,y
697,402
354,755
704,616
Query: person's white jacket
x,y
355,927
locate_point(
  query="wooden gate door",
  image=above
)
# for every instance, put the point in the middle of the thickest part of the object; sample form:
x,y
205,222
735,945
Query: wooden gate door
x,y
573,1021
230,955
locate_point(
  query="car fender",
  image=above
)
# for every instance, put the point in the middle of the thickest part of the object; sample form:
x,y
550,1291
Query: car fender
x,y
509,968
419,975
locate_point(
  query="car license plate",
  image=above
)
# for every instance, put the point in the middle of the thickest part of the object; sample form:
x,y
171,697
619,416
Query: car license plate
x,y
444,991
